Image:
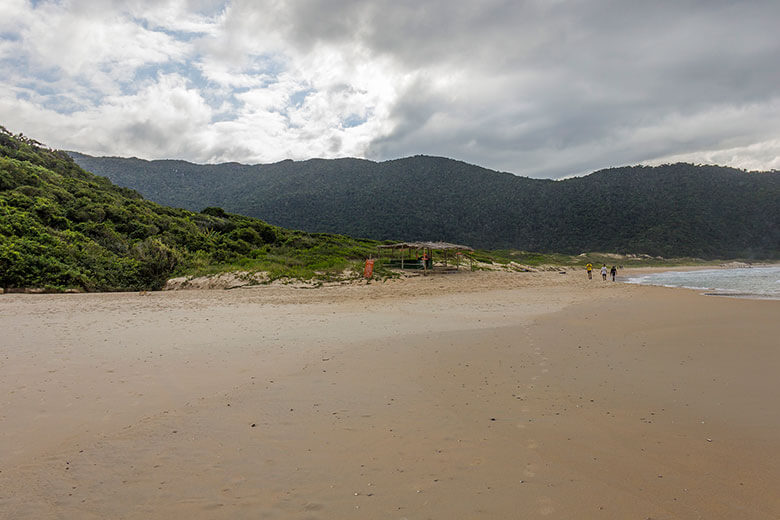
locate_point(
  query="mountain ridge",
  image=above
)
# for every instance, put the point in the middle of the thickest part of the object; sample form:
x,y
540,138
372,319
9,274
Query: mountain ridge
x,y
669,210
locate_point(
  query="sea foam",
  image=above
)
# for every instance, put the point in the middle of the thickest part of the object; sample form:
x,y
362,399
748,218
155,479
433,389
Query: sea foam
x,y
755,282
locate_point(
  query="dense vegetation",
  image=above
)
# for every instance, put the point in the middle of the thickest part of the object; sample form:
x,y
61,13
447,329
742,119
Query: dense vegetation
x,y
62,227
672,210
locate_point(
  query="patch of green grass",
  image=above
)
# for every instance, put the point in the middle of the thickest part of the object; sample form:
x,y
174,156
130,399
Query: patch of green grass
x,y
318,257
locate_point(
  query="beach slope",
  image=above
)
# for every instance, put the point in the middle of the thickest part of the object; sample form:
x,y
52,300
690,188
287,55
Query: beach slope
x,y
476,395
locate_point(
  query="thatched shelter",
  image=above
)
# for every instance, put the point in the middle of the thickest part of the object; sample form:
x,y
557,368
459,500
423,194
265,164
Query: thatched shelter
x,y
419,255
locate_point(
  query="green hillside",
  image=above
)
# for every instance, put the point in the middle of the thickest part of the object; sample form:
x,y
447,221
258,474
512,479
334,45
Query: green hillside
x,y
672,211
62,227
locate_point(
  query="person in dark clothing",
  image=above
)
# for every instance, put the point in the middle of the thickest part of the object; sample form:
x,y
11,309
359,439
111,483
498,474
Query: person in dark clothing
x,y
613,272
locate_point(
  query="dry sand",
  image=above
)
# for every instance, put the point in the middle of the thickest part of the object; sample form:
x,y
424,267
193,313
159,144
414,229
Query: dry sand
x,y
475,395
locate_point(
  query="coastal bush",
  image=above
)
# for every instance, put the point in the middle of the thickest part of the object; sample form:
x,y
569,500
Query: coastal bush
x,y
62,228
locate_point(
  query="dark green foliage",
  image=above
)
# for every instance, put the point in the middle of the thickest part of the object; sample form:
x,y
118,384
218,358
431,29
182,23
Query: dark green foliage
x,y
62,227
671,210
214,212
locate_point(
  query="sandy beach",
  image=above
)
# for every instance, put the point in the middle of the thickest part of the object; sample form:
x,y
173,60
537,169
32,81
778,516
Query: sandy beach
x,y
472,395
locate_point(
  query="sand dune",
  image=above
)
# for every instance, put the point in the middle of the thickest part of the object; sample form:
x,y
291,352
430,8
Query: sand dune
x,y
475,395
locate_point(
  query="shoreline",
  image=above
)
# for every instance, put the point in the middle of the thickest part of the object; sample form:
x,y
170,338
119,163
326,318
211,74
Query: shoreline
x,y
486,395
739,292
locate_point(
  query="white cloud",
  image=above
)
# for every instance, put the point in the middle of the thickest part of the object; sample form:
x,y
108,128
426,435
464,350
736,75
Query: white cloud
x,y
164,117
753,157
85,44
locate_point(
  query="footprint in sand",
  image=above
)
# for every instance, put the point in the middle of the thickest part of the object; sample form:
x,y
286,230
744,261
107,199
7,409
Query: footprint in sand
x,y
546,506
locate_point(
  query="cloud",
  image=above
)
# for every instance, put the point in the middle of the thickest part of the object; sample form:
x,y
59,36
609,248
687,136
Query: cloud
x,y
545,88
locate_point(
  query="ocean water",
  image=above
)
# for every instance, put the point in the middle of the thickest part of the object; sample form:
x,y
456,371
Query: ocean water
x,y
755,282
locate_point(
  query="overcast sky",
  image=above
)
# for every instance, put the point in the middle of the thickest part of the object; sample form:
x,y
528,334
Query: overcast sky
x,y
543,88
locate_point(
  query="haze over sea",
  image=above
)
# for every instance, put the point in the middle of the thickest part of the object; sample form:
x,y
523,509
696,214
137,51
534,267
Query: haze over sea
x,y
755,282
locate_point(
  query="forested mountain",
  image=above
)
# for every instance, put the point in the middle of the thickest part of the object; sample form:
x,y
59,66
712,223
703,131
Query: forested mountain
x,y
62,227
670,210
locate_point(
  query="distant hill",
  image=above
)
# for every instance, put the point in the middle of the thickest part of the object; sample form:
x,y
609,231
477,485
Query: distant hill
x,y
64,228
672,210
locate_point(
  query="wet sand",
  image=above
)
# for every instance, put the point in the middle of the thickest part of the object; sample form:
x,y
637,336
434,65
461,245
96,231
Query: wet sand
x,y
475,395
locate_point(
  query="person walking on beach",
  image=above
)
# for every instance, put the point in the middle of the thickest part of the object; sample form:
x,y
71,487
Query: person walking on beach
x,y
604,272
613,272
589,268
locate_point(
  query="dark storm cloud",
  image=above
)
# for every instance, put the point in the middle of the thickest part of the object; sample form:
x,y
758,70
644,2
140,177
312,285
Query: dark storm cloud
x,y
555,88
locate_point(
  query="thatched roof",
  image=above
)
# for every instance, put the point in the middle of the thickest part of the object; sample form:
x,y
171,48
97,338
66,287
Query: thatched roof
x,y
441,246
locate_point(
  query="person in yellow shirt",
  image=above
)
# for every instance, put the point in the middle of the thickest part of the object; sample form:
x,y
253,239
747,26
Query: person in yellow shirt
x,y
589,268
